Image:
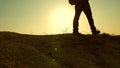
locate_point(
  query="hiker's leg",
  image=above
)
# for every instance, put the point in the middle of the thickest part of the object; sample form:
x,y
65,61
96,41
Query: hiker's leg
x,y
88,13
78,11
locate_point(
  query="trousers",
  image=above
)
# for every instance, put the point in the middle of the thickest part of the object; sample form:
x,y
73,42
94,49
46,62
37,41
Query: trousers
x,y
85,7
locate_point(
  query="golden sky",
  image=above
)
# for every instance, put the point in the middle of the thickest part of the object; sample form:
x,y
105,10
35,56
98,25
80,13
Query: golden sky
x,y
55,16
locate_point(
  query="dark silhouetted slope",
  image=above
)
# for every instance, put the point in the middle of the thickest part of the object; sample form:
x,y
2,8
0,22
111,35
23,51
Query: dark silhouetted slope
x,y
59,51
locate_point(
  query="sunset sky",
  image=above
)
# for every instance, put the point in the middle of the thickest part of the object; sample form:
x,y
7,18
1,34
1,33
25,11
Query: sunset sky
x,y
55,16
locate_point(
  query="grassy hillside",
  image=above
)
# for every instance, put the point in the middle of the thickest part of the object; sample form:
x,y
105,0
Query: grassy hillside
x,y
59,51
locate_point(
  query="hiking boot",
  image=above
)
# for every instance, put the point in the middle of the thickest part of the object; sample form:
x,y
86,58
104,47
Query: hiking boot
x,y
96,32
76,33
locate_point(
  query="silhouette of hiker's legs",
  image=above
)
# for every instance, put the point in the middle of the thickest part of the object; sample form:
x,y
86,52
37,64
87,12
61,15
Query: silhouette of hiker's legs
x,y
87,10
78,11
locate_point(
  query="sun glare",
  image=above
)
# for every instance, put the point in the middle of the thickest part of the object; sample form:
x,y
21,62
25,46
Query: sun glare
x,y
61,19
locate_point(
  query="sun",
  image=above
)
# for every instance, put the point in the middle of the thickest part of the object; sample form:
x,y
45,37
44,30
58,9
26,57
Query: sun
x,y
61,19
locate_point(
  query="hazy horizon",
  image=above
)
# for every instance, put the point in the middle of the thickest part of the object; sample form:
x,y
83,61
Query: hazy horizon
x,y
53,17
